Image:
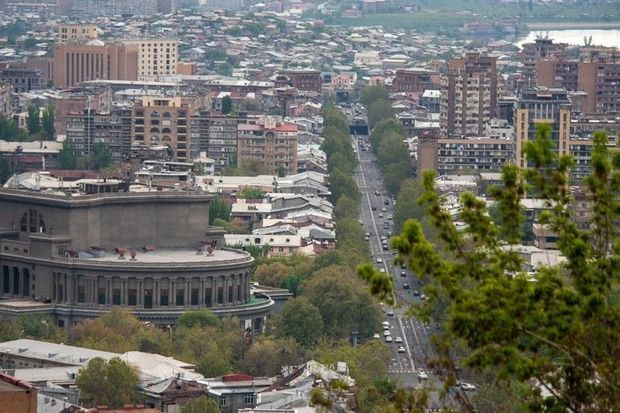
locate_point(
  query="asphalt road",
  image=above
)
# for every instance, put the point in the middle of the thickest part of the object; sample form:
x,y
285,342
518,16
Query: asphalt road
x,y
378,224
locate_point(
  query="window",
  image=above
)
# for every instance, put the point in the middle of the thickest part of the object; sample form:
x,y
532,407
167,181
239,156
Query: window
x,y
81,294
220,295
194,296
116,296
15,280
223,401
148,298
132,296
6,279
32,221
248,398
230,293
180,297
101,296
163,297
208,293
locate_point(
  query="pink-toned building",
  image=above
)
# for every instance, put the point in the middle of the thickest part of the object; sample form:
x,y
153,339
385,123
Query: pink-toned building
x,y
271,142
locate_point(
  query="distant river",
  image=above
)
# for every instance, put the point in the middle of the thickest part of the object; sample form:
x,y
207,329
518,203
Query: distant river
x,y
600,37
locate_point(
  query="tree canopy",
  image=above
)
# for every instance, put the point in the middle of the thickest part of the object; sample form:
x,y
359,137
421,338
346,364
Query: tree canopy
x,y
111,383
200,405
558,331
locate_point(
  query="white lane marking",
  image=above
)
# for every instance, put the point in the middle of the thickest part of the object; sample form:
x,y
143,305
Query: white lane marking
x,y
406,343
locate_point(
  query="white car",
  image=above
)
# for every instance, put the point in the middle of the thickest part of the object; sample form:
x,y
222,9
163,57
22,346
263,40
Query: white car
x,y
468,387
422,375
379,260
401,349
376,336
398,340
388,339
386,333
390,313
423,297
386,324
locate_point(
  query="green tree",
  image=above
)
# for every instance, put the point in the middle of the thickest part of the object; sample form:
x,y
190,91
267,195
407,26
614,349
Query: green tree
x,y
302,321
227,105
110,383
248,192
272,274
48,122
267,355
371,94
219,208
9,130
560,330
346,208
342,184
102,156
201,405
224,69
345,305
379,110
67,156
203,318
33,122
6,169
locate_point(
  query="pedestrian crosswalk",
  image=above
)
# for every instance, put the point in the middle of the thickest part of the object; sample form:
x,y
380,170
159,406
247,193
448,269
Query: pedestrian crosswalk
x,y
401,371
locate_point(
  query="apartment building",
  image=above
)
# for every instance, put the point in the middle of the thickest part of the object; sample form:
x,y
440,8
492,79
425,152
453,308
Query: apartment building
x,y
163,120
77,31
481,154
415,80
542,105
156,58
82,60
468,95
271,142
112,128
305,79
542,48
595,75
216,135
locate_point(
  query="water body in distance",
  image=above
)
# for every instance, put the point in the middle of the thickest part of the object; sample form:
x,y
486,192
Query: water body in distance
x,y
600,37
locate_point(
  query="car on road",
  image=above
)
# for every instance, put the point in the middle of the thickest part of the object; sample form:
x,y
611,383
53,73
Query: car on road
x,y
379,260
383,209
401,349
468,387
390,217
386,202
398,340
385,324
386,333
388,339
422,375
377,193
405,286
381,269
373,207
381,215
416,293
386,247
390,313
386,225
403,273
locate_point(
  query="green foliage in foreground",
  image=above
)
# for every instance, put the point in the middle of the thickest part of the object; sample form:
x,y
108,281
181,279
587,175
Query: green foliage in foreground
x,y
111,383
559,332
201,405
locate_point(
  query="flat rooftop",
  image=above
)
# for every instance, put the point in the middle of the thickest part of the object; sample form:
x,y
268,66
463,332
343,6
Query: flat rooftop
x,y
173,256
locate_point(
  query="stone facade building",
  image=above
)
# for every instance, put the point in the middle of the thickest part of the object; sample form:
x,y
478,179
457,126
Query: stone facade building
x,y
74,257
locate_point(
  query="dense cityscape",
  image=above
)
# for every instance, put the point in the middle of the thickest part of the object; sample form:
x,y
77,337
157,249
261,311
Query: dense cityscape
x,y
296,206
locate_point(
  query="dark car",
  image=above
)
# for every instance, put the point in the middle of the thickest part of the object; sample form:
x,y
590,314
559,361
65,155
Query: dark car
x,y
374,207
406,286
386,202
403,273
416,293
